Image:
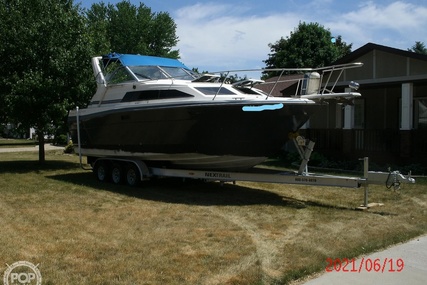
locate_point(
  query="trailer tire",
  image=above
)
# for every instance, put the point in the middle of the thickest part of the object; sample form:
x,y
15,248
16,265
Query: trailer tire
x,y
101,171
117,173
133,176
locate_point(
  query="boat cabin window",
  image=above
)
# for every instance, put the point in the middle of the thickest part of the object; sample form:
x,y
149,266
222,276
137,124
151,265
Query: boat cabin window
x,y
148,95
214,91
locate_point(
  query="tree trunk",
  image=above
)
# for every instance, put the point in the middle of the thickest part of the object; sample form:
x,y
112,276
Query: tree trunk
x,y
40,135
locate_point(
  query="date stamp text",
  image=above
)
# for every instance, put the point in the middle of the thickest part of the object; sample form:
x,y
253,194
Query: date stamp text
x,y
364,264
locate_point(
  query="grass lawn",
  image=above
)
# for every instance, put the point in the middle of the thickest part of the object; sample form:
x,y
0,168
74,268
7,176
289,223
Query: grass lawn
x,y
17,143
167,231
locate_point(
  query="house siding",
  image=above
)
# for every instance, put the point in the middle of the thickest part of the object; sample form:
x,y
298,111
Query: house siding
x,y
378,133
417,67
389,65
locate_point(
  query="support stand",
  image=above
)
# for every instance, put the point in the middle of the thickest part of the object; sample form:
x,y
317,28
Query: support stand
x,y
366,205
305,148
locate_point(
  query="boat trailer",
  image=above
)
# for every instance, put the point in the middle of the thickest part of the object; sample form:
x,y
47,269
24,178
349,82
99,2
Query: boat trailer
x,y
133,170
391,179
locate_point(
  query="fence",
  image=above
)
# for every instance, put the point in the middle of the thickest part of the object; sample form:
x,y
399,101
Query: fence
x,y
382,145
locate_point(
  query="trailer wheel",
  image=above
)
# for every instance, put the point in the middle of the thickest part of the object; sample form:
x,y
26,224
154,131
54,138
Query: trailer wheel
x,y
101,170
116,173
132,175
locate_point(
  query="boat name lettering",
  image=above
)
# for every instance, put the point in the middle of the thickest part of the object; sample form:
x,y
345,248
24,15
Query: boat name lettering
x,y
217,175
305,179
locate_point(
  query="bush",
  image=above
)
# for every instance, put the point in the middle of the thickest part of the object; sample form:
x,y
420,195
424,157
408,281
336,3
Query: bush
x,y
60,140
69,148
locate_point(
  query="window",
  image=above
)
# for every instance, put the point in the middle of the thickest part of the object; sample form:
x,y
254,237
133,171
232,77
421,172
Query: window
x,y
154,95
118,76
420,113
359,113
178,73
160,72
148,72
215,91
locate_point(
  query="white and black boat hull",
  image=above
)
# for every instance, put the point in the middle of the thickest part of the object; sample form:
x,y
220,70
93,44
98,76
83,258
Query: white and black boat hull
x,y
196,135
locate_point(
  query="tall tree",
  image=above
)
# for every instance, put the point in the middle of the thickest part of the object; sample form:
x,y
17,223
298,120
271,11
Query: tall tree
x,y
418,47
97,19
127,28
45,57
309,45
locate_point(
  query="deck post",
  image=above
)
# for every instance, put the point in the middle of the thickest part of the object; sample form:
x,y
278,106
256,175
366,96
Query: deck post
x,y
366,183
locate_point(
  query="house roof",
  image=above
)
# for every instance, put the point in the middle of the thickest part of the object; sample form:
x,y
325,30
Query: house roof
x,y
284,83
386,65
287,86
371,46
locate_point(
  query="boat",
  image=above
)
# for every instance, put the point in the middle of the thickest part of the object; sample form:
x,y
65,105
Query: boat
x,y
159,111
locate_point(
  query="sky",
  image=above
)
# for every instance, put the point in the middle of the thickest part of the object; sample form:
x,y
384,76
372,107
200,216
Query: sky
x,y
223,35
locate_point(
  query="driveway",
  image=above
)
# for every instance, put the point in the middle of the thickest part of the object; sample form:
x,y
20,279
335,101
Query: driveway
x,y
400,264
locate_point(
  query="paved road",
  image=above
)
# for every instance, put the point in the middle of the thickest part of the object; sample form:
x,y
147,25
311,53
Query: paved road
x,y
29,148
411,257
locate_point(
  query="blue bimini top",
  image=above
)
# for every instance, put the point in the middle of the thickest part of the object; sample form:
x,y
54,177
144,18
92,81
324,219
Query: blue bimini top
x,y
142,60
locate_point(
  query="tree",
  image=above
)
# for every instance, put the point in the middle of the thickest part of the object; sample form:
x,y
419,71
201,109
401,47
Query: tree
x,y
418,47
97,19
309,45
126,28
44,70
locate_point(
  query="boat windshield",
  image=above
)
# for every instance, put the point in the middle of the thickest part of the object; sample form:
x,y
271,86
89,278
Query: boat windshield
x,y
160,72
119,75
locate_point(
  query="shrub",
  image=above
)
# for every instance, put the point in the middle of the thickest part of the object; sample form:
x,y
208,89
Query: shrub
x,y
69,148
60,139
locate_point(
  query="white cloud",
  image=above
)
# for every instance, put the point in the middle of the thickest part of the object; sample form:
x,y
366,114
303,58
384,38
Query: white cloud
x,y
220,36
398,24
223,37
200,11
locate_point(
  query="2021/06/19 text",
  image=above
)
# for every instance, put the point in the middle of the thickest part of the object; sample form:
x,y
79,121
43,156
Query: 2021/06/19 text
x,y
368,265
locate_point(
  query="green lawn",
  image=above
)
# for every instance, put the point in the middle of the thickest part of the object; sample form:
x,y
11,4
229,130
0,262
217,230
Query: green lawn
x,y
17,142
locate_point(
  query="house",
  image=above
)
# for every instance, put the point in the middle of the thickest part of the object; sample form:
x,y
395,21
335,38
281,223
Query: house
x,y
389,122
